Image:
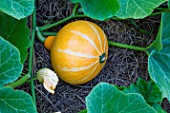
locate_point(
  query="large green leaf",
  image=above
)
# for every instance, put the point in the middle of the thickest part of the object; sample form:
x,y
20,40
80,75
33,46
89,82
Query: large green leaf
x,y
17,8
148,90
10,65
163,33
159,68
15,101
99,9
106,98
137,8
165,26
16,32
169,4
159,62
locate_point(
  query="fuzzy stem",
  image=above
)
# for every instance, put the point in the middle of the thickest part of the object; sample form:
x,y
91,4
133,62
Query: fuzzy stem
x,y
40,37
31,54
45,33
60,22
33,92
160,12
19,82
32,79
156,13
31,51
126,46
75,9
162,9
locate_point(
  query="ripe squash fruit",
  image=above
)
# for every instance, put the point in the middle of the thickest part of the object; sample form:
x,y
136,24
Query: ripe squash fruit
x,y
79,52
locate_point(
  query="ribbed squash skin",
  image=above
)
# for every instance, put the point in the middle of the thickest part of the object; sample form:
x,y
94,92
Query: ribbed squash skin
x,y
76,51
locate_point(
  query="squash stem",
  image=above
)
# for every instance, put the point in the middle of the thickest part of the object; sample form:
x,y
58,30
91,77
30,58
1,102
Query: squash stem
x,y
31,55
19,82
162,9
45,33
40,37
75,8
126,46
32,79
160,12
61,21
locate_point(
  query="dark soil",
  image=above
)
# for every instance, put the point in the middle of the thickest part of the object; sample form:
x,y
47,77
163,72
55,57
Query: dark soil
x,y
122,68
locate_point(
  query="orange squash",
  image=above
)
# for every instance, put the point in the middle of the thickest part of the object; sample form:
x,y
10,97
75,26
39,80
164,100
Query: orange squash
x,y
79,52
48,42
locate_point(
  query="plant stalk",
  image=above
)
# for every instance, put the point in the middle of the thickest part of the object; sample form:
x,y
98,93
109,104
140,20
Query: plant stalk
x,y
158,13
162,9
126,46
31,55
19,82
32,79
60,22
75,8
40,37
45,33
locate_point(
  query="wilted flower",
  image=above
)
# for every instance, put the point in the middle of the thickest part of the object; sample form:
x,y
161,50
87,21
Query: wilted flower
x,y
49,79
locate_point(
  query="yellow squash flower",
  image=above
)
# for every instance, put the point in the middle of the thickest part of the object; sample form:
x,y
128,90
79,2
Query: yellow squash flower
x,y
49,79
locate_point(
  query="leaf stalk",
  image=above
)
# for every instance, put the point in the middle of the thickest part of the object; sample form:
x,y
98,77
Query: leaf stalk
x,y
61,21
19,82
126,46
46,33
40,37
31,54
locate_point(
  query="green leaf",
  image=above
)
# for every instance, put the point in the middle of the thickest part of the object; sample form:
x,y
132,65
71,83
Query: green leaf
x,y
10,65
74,1
165,26
158,108
15,101
169,4
106,98
137,8
159,62
17,8
148,90
159,68
83,111
163,34
16,32
100,9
